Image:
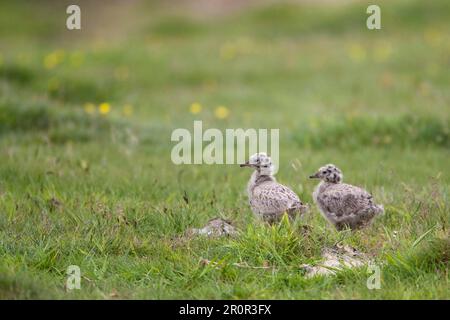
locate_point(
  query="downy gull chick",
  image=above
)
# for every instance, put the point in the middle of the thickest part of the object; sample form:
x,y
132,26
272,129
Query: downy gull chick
x,y
344,205
268,199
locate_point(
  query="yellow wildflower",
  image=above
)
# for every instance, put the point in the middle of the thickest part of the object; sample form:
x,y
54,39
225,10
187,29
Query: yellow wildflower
x,y
433,36
382,52
221,112
127,110
195,108
228,51
104,108
89,108
84,165
357,53
53,59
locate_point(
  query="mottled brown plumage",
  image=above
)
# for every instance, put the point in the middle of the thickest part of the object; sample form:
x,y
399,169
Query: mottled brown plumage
x,y
344,205
268,199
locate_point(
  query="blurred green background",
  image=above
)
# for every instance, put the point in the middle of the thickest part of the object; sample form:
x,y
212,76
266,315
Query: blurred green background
x,y
86,117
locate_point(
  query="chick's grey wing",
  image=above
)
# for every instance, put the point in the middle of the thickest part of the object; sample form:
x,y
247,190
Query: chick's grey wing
x,y
362,200
274,198
346,200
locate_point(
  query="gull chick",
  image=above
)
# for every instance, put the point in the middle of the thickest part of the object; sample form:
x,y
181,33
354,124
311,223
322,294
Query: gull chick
x,y
268,199
344,205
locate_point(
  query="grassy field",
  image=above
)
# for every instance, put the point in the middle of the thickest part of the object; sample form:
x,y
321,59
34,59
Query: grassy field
x,y
85,123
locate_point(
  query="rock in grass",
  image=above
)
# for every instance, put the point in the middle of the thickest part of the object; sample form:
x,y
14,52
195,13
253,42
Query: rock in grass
x,y
215,228
334,259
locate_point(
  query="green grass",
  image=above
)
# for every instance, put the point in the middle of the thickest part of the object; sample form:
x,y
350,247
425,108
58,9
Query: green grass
x,y
100,191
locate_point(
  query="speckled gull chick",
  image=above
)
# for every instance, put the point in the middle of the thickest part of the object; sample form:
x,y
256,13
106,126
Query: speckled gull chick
x,y
344,205
268,199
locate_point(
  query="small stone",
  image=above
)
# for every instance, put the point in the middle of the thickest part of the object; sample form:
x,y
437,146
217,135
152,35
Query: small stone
x,y
215,228
335,259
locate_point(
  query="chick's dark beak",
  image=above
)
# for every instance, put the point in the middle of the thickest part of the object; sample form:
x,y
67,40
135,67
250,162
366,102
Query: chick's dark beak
x,y
314,176
246,164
